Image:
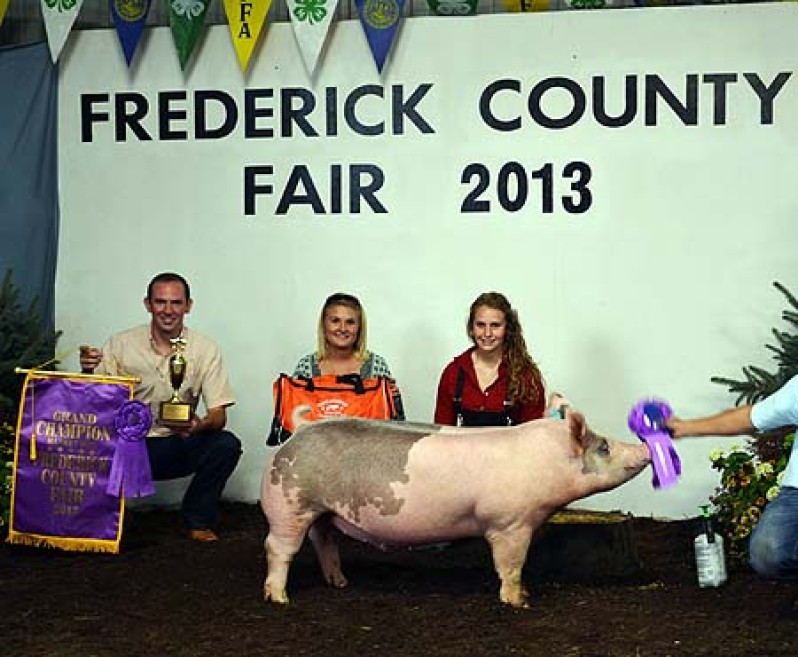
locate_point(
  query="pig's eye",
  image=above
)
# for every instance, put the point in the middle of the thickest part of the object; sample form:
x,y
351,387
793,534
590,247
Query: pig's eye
x,y
603,448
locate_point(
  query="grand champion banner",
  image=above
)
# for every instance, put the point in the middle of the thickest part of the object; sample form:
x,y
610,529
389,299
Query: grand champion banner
x,y
69,433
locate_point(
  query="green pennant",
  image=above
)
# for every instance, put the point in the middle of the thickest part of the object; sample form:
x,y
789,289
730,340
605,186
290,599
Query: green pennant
x,y
453,7
186,18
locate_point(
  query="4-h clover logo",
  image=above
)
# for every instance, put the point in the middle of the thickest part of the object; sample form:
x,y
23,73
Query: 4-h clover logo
x,y
312,11
589,4
453,8
188,8
61,5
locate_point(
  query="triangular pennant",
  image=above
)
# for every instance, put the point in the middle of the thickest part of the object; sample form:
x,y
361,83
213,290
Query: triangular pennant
x,y
526,5
453,7
246,19
59,16
379,19
186,18
3,9
311,20
129,18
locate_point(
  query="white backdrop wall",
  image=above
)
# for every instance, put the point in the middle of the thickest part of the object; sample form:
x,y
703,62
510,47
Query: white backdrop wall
x,y
663,281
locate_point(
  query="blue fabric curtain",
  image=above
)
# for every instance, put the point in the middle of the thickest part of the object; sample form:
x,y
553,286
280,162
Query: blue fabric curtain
x,y
29,173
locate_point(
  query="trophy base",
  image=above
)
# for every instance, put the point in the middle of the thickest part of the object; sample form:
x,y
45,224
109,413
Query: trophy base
x,y
176,415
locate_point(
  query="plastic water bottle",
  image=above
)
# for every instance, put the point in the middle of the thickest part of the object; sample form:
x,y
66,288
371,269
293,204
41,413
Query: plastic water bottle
x,y
710,559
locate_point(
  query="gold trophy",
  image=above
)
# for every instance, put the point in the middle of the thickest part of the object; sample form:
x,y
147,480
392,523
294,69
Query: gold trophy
x,y
175,413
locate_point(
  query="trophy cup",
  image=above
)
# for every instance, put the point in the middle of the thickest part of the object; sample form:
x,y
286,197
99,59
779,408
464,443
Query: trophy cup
x,y
175,413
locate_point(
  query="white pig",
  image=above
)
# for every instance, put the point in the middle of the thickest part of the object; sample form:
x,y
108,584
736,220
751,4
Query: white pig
x,y
400,484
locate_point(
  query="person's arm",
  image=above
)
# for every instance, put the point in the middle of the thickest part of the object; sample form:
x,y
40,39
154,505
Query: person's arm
x,y
732,422
214,420
215,390
444,402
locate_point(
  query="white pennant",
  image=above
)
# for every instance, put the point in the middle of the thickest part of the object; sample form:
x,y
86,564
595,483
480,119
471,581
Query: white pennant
x,y
311,20
59,16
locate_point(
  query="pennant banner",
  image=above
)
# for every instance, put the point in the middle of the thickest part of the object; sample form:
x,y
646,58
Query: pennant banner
x,y
186,18
453,7
380,19
59,16
311,20
67,435
3,9
129,17
246,19
527,5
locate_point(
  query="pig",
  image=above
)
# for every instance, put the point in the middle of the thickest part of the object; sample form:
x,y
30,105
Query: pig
x,y
398,484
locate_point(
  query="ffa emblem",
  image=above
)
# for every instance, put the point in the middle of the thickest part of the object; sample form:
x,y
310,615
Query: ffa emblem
x,y
131,11
381,14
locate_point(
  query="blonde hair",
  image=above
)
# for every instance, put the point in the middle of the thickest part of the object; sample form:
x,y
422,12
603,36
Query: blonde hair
x,y
519,361
348,301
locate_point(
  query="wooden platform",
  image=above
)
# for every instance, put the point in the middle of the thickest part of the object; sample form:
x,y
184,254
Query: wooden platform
x,y
577,544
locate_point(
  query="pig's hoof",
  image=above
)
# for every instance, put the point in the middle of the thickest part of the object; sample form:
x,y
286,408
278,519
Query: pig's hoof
x,y
337,580
518,599
518,604
279,598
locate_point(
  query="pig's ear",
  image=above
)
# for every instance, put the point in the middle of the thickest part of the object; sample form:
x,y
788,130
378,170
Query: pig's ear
x,y
577,426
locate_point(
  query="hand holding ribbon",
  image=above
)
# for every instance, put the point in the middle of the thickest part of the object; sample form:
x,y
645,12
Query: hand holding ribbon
x,y
647,419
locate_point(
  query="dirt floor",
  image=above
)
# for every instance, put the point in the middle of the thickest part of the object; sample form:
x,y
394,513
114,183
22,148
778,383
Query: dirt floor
x,y
596,592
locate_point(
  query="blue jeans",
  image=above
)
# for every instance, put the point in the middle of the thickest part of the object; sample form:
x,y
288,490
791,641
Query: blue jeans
x,y
773,549
211,456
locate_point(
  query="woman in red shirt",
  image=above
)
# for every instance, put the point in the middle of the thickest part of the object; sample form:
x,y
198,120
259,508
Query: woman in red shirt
x,y
495,382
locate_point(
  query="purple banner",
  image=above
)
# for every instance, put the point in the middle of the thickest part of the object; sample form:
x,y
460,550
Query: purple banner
x,y
380,19
129,17
66,442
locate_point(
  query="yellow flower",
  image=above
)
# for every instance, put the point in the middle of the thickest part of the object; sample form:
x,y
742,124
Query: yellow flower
x,y
763,469
772,493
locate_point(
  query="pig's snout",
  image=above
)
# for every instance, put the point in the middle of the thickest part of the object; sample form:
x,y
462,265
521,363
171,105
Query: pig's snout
x,y
640,456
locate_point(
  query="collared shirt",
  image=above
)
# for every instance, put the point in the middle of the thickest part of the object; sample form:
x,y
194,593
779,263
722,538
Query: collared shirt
x,y
780,410
132,353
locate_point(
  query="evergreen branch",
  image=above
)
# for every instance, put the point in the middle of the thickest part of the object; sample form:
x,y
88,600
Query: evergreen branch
x,y
758,382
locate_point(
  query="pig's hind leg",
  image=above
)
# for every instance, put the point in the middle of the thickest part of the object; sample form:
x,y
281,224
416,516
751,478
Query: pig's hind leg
x,y
323,536
509,549
282,543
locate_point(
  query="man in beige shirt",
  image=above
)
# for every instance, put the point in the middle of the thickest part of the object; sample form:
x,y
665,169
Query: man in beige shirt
x,y
202,447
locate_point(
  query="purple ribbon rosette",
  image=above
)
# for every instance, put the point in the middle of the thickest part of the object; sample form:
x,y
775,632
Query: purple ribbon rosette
x,y
130,469
647,419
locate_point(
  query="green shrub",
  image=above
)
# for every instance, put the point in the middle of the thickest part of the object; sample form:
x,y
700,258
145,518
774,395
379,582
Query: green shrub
x,y
6,467
24,342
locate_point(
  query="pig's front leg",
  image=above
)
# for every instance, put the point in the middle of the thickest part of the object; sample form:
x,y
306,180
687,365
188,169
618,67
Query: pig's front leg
x,y
509,548
322,535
